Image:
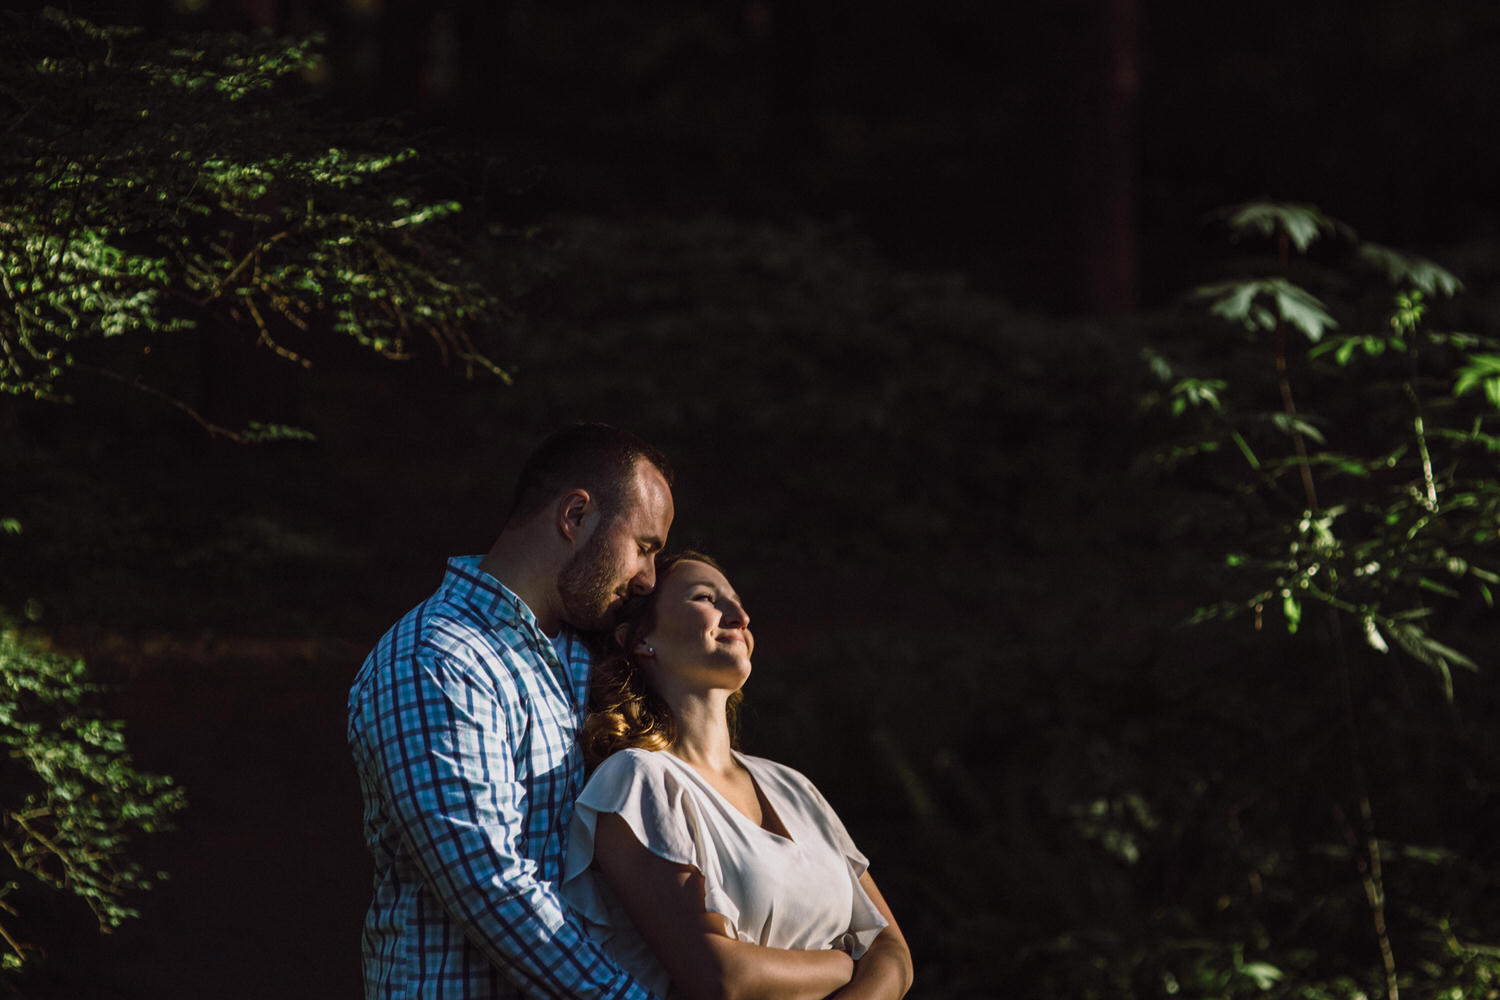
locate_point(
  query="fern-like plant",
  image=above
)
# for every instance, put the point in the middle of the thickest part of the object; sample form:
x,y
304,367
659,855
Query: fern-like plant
x,y
1350,447
1371,483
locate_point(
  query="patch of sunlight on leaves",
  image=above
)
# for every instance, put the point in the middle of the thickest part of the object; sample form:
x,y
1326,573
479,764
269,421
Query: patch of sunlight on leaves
x,y
258,432
212,191
1291,425
1408,269
1302,224
77,802
1260,304
1481,372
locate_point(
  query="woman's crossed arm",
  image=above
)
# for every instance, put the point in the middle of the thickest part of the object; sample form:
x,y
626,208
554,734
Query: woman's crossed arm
x,y
665,900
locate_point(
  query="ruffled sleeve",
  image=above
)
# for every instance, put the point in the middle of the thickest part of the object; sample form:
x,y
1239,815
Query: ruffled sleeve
x,y
665,817
865,921
833,827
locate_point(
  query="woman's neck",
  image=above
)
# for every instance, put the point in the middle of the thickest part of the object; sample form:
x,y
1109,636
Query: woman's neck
x,y
703,732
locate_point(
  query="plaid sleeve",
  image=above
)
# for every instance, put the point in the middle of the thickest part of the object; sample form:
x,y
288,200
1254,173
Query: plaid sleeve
x,y
441,747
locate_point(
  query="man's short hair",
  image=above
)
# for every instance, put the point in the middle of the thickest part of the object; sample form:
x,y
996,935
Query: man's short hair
x,y
591,456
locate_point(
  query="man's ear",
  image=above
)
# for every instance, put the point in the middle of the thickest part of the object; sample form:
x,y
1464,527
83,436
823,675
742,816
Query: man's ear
x,y
572,508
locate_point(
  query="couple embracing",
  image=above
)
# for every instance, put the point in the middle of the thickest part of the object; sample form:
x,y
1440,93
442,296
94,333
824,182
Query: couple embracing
x,y
680,867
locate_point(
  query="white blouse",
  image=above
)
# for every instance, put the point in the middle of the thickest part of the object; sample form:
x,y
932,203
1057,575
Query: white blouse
x,y
799,892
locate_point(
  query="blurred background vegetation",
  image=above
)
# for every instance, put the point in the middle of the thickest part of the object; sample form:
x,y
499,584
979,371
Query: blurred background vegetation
x,y
908,295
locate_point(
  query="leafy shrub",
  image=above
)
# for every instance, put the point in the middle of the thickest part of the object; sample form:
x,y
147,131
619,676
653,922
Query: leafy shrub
x,y
1401,508
1347,485
158,185
73,800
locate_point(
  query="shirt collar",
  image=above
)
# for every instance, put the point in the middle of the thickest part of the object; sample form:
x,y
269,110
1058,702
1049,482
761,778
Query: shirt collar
x,y
490,598
497,605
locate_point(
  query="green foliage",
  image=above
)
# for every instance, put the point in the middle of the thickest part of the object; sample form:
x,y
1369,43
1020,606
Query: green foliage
x,y
1341,462
73,801
1382,499
151,187
259,433
1300,224
1263,304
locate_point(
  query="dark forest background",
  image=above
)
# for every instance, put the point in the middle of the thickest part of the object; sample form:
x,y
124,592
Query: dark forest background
x,y
884,281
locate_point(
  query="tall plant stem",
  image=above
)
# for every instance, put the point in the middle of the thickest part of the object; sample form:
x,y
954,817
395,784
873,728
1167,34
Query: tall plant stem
x,y
1288,404
1367,856
1419,427
1367,859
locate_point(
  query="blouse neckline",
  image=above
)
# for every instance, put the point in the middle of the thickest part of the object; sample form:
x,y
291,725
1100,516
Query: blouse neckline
x,y
760,791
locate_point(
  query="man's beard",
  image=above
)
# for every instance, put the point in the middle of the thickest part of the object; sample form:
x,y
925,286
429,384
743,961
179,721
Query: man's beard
x,y
587,585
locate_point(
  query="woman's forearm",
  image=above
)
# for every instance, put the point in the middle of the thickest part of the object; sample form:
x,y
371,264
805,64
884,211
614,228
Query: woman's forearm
x,y
885,970
755,972
665,901
884,973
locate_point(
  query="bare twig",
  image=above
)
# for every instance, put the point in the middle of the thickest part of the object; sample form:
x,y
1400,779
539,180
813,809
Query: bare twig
x,y
1288,404
213,429
260,247
267,340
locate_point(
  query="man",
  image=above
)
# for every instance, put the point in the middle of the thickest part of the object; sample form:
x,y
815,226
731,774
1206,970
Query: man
x,y
462,725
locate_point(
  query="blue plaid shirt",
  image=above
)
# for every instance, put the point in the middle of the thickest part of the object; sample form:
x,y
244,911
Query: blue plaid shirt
x,y
462,724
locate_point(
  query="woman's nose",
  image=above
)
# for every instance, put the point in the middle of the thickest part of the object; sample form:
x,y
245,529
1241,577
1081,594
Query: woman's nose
x,y
736,616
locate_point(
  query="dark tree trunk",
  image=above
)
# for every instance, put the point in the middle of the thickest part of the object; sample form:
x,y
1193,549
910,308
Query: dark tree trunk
x,y
1105,196
481,56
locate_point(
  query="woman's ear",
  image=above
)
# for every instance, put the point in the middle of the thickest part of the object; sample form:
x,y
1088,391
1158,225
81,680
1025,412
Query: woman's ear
x,y
622,632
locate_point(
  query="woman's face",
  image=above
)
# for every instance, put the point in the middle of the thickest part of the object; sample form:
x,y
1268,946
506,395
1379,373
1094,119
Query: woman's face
x,y
701,638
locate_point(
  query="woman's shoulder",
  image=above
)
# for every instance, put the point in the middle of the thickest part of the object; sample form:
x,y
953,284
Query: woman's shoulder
x,y
632,765
764,769
630,775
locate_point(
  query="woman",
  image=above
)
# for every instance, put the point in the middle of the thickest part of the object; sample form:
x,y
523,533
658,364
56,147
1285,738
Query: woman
x,y
721,874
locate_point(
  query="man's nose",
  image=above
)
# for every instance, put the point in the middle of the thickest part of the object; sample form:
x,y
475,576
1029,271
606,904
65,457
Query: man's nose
x,y
645,581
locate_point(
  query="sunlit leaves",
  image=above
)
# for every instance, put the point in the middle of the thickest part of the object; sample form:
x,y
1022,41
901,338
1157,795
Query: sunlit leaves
x,y
1196,392
1421,646
1263,974
1344,346
1291,608
1291,424
1411,508
1482,372
74,801
1303,225
259,432
148,186
1410,270
1261,304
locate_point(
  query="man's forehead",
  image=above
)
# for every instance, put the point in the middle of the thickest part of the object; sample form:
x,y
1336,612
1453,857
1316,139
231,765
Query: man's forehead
x,y
651,500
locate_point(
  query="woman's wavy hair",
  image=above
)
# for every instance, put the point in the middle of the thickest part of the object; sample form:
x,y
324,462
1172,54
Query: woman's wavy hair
x,y
624,709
